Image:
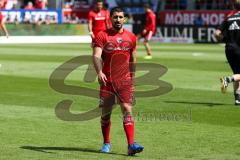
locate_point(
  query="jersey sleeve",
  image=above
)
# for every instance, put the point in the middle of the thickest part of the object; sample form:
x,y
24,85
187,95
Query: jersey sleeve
x,y
99,40
90,16
223,26
151,22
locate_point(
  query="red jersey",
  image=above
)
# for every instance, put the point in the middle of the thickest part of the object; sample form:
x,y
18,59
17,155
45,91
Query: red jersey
x,y
4,4
39,4
1,17
99,20
150,21
117,48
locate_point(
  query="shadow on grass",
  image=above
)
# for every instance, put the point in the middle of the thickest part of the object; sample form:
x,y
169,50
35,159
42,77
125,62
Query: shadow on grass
x,y
49,149
210,104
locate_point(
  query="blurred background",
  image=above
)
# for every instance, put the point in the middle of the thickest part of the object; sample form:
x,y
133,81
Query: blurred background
x,y
179,21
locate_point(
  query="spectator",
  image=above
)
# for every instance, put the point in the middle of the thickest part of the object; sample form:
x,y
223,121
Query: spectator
x,y
8,19
27,19
47,20
29,6
16,4
171,4
68,4
3,4
130,19
67,18
16,20
41,4
54,20
198,21
219,4
209,4
40,21
74,19
12,4
199,4
183,4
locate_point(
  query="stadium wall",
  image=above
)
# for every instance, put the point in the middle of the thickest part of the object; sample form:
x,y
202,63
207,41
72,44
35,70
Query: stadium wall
x,y
173,26
47,30
44,39
189,26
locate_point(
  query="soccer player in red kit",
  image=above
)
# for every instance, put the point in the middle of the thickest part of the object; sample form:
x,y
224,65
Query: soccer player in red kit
x,y
2,25
98,19
149,29
114,61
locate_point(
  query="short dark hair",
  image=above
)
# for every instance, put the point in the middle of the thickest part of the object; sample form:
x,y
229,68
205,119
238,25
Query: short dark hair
x,y
146,5
116,9
99,1
236,4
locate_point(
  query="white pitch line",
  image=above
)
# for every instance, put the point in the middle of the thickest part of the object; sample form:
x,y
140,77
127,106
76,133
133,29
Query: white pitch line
x,y
197,54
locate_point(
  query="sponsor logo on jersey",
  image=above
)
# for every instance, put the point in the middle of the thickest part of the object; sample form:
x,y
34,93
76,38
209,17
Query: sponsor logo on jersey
x,y
234,26
119,46
99,18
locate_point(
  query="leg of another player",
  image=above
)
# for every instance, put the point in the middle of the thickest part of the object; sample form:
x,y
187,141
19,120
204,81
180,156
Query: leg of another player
x,y
236,87
105,126
229,79
148,49
139,36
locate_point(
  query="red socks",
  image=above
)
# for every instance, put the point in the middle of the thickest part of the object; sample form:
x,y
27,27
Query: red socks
x,y
128,124
106,125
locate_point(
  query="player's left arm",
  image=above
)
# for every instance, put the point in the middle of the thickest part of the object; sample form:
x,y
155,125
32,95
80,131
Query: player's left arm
x,y
133,59
133,64
218,34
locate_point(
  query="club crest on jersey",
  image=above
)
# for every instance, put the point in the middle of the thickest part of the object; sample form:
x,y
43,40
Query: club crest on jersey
x,y
119,40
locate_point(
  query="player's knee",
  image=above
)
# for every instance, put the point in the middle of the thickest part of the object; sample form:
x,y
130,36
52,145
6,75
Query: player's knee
x,y
145,42
105,118
128,118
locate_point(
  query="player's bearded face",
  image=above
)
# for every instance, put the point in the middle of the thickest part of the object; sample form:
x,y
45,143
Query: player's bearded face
x,y
117,20
99,5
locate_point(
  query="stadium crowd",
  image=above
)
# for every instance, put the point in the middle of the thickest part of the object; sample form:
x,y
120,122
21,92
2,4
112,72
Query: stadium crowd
x,y
198,4
75,11
27,5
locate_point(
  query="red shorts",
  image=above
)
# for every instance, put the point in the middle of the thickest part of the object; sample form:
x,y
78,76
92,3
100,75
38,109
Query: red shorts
x,y
123,91
148,35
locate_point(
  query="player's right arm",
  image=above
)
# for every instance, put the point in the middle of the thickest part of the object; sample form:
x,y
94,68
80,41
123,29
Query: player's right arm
x,y
97,60
219,32
97,52
90,25
133,58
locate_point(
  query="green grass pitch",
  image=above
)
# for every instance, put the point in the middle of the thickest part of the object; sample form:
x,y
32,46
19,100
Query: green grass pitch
x,y
207,126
